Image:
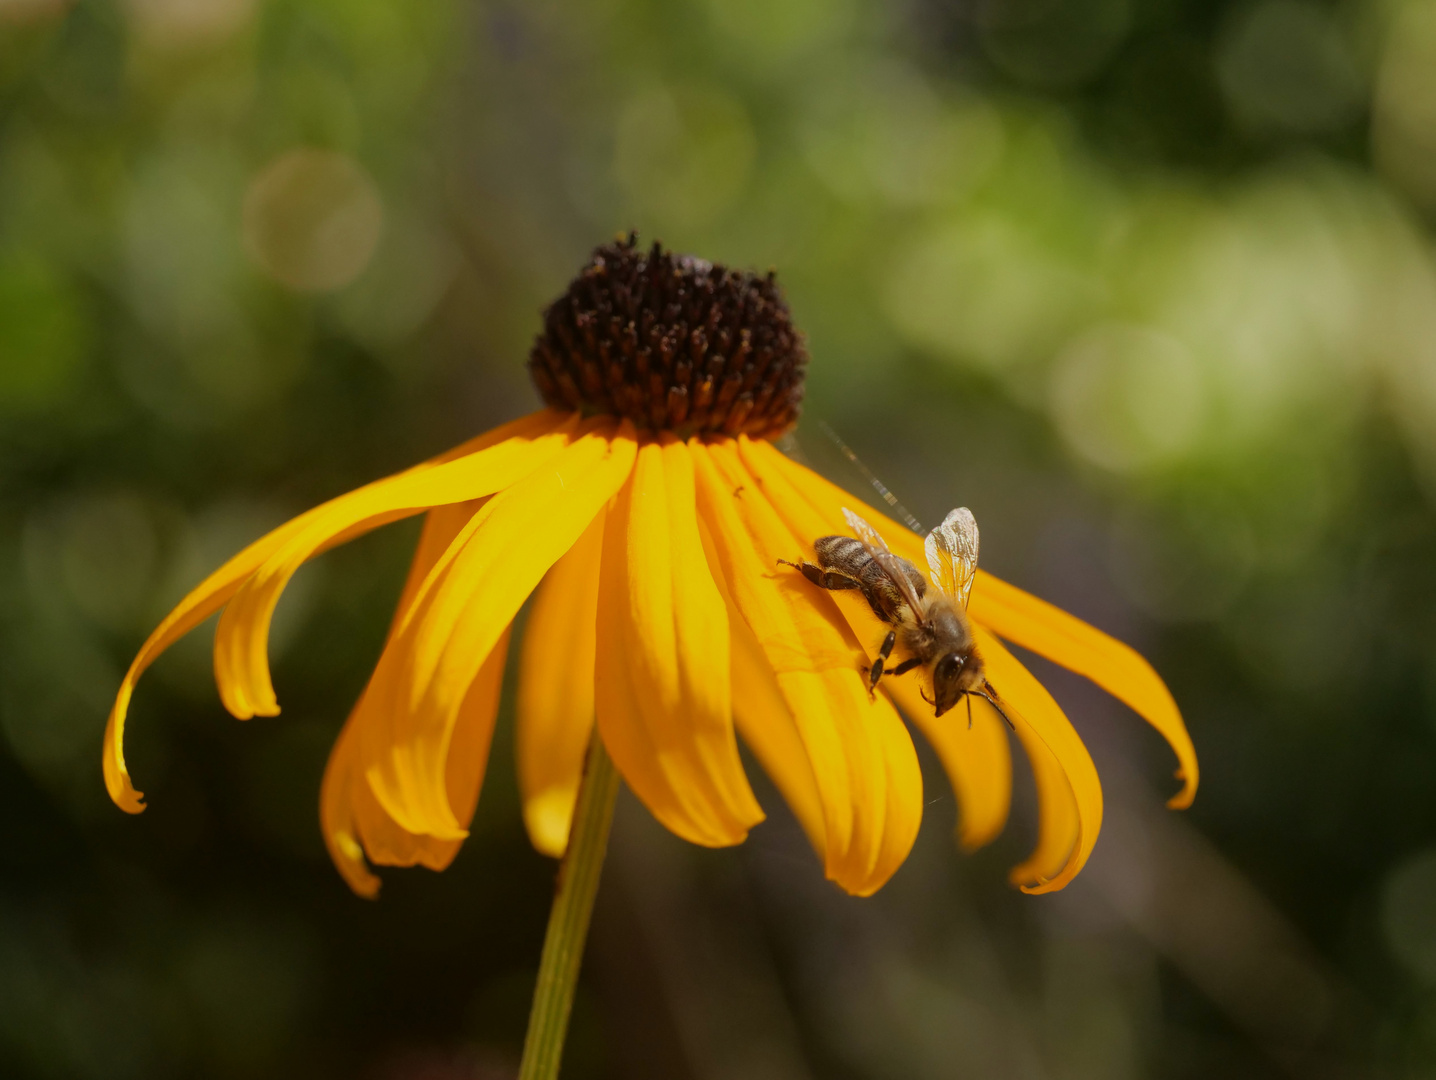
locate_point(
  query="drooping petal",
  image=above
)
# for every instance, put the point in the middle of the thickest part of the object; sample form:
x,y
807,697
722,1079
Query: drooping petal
x,y
337,819
663,681
856,743
1031,623
351,819
217,589
1024,620
763,719
1059,822
555,706
354,824
1029,705
977,759
461,610
344,796
805,524
903,814
1041,724
468,756
241,642
766,724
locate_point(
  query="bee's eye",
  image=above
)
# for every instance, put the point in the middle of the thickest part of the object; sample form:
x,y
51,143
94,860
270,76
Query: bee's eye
x,y
949,666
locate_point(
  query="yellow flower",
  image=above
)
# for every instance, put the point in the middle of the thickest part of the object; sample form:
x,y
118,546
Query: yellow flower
x,y
645,512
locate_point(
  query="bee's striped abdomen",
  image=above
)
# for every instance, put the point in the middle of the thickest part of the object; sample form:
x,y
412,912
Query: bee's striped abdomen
x,y
849,557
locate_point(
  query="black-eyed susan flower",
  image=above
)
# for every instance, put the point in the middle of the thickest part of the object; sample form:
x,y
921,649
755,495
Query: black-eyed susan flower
x,y
644,513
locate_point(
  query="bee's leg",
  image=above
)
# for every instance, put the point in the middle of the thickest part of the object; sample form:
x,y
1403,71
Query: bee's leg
x,y
823,579
876,671
905,666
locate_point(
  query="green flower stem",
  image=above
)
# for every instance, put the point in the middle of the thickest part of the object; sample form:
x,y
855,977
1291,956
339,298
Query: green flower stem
x,y
568,920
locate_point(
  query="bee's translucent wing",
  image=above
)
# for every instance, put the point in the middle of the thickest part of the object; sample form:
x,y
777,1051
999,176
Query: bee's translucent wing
x,y
866,533
878,549
952,554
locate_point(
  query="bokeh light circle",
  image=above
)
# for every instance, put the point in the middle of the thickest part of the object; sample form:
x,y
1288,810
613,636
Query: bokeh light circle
x,y
1126,397
1408,914
312,219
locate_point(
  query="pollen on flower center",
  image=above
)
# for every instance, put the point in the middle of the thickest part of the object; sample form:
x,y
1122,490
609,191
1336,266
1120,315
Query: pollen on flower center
x,y
673,343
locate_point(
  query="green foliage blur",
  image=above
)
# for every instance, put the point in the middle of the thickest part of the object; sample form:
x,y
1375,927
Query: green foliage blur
x,y
1148,284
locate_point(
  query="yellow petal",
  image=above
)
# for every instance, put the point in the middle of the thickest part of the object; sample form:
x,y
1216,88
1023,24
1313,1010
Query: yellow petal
x,y
805,524
555,706
461,610
337,820
762,716
468,755
663,683
1031,623
1069,793
1059,822
241,642
903,778
978,760
766,724
354,823
344,796
1030,706
216,590
1049,631
849,736
351,820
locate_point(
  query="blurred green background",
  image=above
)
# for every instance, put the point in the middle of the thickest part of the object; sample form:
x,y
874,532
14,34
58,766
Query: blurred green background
x,y
1148,284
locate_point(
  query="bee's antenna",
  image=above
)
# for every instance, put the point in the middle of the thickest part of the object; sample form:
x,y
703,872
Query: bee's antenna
x,y
989,695
969,712
868,475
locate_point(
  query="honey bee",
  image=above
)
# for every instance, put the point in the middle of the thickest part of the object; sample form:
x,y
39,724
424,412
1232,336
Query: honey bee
x,y
931,623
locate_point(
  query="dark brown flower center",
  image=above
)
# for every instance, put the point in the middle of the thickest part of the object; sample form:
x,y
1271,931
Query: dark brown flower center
x,y
674,343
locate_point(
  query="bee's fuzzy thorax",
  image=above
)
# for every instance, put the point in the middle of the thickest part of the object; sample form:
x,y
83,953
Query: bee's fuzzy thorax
x,y
673,343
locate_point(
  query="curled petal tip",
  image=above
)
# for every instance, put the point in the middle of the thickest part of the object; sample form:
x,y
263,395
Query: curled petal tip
x,y
1038,884
130,801
349,858
117,777
1182,799
123,793
1043,884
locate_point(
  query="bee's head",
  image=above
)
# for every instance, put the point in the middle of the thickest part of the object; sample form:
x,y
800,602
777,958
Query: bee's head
x,y
953,675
